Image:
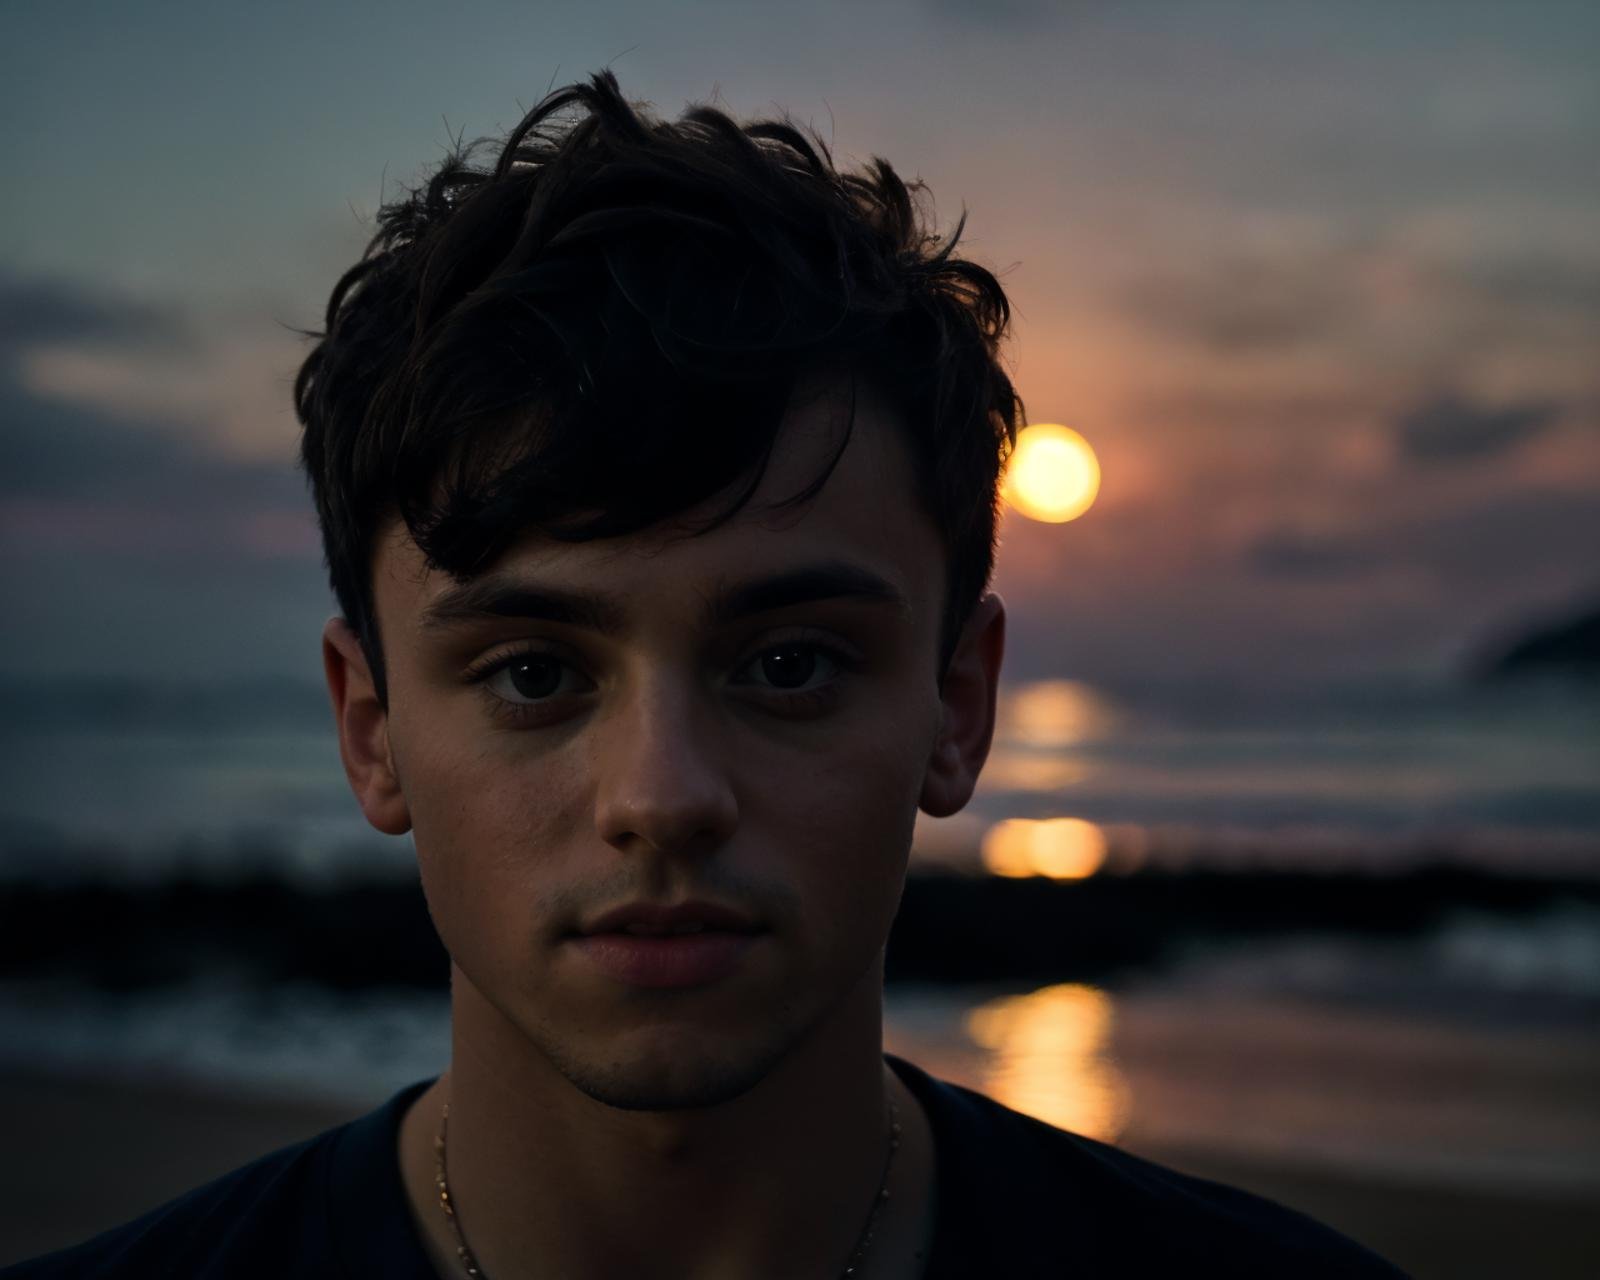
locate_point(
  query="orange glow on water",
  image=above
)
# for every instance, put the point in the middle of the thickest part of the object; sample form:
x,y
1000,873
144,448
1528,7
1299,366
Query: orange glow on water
x,y
1054,713
1022,771
1060,848
1053,474
1049,1057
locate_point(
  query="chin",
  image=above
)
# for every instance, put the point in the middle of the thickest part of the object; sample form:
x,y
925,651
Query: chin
x,y
681,1069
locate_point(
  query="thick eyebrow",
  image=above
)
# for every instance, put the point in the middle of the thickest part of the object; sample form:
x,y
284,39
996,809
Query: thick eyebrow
x,y
832,580
499,596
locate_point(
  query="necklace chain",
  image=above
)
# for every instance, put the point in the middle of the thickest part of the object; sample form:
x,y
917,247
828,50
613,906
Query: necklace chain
x,y
470,1264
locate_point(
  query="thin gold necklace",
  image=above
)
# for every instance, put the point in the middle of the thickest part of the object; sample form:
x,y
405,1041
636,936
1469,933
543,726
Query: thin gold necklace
x,y
470,1264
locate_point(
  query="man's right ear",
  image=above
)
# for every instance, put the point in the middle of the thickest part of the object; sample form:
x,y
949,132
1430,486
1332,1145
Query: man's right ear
x,y
363,730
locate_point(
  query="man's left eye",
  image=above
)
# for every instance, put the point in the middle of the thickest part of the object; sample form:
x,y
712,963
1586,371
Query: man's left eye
x,y
792,667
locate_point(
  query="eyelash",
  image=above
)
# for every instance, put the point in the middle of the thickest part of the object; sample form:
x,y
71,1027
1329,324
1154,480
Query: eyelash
x,y
800,700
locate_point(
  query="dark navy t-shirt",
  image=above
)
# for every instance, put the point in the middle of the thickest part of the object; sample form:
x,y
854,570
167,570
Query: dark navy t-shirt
x,y
1015,1197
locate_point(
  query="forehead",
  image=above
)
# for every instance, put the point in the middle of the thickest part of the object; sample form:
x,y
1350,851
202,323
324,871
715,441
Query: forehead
x,y
866,516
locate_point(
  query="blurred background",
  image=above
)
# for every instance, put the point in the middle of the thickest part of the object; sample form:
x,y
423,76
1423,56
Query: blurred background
x,y
1286,868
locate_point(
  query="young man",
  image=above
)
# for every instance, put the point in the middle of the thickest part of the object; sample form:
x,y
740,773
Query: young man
x,y
656,466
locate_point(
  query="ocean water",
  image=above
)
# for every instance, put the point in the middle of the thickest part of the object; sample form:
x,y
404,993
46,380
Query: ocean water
x,y
136,781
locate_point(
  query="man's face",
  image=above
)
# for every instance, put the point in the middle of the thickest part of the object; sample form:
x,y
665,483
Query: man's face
x,y
746,717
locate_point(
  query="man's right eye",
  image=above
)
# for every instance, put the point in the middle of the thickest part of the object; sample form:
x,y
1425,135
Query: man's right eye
x,y
524,679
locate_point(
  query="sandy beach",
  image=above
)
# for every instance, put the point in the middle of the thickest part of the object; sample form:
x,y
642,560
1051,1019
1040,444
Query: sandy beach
x,y
89,1154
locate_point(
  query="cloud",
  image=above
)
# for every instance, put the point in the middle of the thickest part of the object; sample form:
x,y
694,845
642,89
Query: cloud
x,y
1546,281
231,389
1292,554
1511,538
119,480
1404,303
128,545
1447,428
74,478
1498,539
49,449
36,311
1247,305
224,380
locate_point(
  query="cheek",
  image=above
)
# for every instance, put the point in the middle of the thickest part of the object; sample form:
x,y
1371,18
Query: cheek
x,y
838,827
490,832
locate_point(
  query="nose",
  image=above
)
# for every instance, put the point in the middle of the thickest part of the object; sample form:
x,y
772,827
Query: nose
x,y
661,783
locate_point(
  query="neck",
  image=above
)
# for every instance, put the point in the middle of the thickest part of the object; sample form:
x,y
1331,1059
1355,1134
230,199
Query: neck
x,y
776,1180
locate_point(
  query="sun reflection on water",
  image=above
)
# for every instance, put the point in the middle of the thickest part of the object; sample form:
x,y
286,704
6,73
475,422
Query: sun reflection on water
x,y
1060,848
1054,713
1029,771
1049,1058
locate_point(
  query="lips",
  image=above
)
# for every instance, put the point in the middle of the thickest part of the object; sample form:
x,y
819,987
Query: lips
x,y
647,919
685,944
691,961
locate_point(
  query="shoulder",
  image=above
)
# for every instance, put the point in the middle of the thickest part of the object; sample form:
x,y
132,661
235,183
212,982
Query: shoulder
x,y
271,1217
1020,1188
232,1226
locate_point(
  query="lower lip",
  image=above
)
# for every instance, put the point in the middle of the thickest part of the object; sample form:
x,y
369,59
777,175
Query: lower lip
x,y
687,960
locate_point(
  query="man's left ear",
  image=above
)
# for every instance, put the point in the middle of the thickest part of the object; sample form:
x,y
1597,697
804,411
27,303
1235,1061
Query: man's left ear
x,y
968,699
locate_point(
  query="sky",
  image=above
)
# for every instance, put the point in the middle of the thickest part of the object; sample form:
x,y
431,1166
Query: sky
x,y
1320,283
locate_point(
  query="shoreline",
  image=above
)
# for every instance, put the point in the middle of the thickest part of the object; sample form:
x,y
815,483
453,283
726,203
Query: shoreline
x,y
88,1154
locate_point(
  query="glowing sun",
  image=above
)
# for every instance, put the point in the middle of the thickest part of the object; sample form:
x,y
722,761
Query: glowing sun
x,y
1053,474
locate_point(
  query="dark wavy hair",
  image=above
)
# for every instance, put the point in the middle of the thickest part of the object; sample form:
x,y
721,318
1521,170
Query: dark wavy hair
x,y
603,327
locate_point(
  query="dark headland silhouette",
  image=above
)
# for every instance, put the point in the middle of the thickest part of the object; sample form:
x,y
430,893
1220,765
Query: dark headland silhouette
x,y
1570,647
